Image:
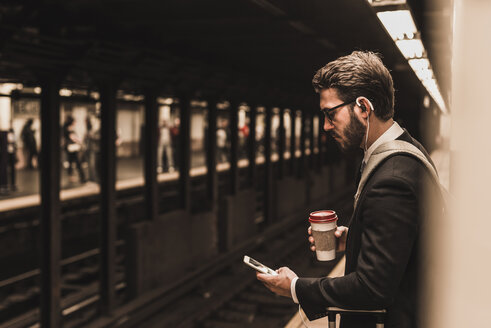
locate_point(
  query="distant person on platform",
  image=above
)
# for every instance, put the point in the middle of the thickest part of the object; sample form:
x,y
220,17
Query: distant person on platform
x,y
222,139
73,147
383,243
165,156
29,143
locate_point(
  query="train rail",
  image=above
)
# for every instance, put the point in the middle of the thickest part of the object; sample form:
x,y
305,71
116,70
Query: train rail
x,y
219,288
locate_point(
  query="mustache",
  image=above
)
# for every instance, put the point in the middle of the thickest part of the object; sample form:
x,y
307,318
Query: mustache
x,y
334,134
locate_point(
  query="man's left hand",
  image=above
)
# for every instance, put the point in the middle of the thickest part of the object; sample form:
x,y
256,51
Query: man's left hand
x,y
279,284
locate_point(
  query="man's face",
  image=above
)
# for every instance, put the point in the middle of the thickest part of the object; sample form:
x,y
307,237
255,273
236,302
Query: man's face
x,y
346,127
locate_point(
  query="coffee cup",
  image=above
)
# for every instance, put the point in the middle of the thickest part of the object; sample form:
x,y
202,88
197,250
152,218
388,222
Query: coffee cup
x,y
323,225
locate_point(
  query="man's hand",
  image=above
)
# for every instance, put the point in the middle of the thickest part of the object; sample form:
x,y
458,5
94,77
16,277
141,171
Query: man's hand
x,y
341,233
279,284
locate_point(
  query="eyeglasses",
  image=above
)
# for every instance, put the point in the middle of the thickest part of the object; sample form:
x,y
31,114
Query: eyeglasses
x,y
328,112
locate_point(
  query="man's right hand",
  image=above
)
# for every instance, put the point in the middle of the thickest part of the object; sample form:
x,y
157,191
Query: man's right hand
x,y
341,233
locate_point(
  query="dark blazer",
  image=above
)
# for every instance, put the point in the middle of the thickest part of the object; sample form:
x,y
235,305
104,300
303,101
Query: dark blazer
x,y
382,251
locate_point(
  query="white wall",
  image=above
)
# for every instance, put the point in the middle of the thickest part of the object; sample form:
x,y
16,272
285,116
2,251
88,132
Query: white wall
x,y
461,273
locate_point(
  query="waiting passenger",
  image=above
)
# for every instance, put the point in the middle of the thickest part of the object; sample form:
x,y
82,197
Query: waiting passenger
x,y
222,140
29,144
383,243
73,146
165,157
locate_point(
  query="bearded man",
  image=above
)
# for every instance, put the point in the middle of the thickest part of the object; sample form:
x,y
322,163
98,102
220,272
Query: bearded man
x,y
383,241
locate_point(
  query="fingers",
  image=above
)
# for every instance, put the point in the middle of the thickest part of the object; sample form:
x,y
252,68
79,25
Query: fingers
x,y
309,230
340,231
263,277
312,245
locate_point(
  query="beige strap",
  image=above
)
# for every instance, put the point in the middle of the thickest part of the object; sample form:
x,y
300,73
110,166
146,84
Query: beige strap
x,y
385,150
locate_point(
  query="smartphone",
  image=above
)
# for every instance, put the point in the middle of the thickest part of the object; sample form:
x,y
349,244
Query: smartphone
x,y
258,266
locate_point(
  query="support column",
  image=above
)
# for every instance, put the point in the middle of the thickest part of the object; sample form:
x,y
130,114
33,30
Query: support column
x,y
50,204
185,152
320,142
293,159
234,147
281,145
313,156
268,169
108,196
251,146
211,156
150,154
301,168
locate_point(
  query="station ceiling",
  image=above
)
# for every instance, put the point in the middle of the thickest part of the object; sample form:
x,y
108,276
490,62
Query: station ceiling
x,y
268,48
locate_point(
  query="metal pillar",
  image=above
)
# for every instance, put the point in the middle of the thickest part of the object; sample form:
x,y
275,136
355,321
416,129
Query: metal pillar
x,y
281,145
293,159
185,152
321,143
301,166
234,147
211,155
268,169
150,154
50,204
108,196
311,138
251,146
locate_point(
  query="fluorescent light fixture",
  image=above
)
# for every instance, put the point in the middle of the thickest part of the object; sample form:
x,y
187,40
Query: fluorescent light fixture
x,y
419,64
398,23
411,48
376,3
425,74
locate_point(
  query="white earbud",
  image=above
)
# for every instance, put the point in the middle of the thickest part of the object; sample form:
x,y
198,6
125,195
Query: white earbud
x,y
363,107
368,117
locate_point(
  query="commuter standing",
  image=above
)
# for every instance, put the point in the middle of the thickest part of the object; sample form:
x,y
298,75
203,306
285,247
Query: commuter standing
x,y
222,140
383,242
165,157
29,144
73,146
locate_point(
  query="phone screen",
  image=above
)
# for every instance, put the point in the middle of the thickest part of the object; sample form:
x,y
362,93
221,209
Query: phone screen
x,y
258,266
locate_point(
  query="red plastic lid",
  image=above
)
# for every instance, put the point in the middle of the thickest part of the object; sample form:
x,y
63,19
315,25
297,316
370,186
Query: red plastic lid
x,y
323,216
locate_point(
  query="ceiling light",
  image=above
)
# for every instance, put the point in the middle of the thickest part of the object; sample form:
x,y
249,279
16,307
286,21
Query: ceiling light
x,y
411,48
419,64
398,23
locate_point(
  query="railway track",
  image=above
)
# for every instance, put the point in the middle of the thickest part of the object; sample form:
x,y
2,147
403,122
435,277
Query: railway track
x,y
221,294
233,298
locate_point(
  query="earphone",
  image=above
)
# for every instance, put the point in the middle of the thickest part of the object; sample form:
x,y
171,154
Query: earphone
x,y
364,109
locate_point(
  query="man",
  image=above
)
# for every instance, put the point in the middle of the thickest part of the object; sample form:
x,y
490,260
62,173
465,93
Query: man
x,y
383,240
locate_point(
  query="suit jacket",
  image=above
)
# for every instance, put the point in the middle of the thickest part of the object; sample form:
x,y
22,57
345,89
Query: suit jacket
x,y
382,251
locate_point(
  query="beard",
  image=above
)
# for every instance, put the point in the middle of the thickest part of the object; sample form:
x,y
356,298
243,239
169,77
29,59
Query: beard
x,y
352,136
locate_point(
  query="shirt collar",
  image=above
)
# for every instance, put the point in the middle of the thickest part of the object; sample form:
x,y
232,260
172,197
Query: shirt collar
x,y
392,133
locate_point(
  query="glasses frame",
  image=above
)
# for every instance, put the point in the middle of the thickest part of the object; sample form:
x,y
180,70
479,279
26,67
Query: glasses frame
x,y
328,111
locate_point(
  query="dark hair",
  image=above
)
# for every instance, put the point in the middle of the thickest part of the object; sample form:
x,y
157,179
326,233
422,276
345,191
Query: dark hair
x,y
361,73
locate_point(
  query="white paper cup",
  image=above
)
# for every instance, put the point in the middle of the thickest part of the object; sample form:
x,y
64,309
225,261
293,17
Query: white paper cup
x,y
324,225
